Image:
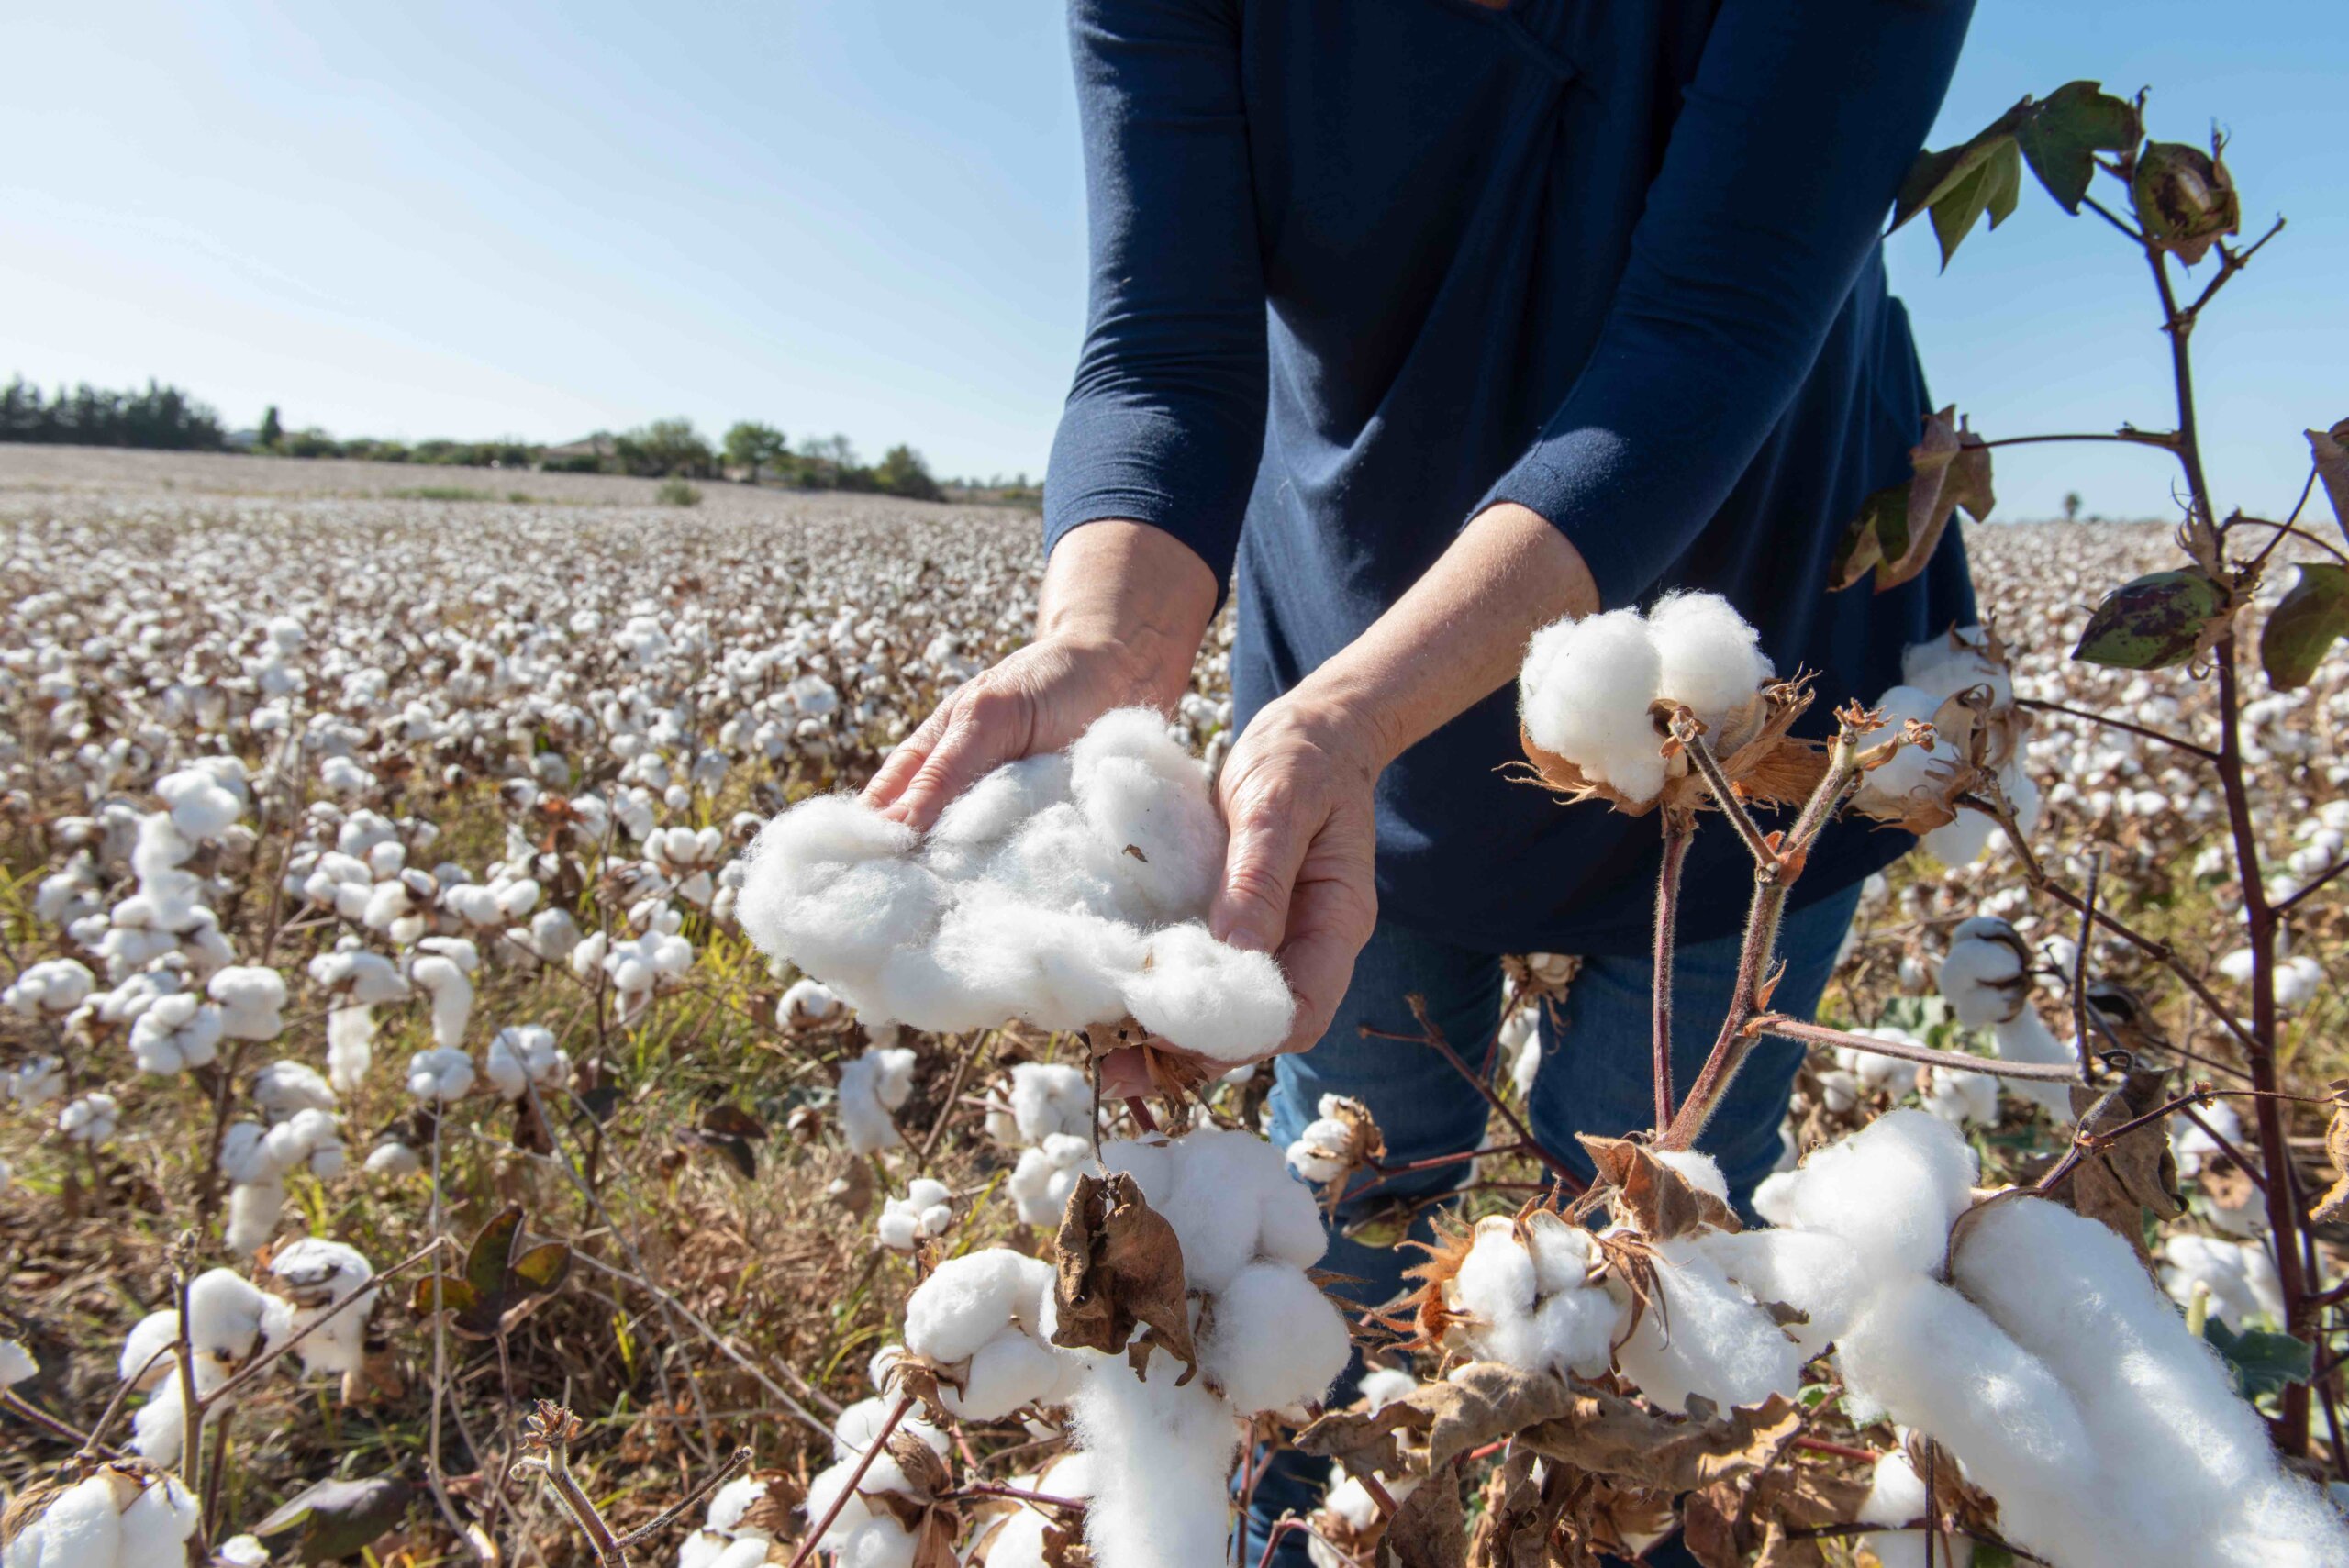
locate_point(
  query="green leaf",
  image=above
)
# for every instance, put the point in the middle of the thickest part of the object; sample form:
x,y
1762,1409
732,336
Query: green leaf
x,y
2065,130
1989,1556
1881,515
2301,628
2261,1363
441,1293
1935,175
2154,622
542,1268
1990,185
486,1259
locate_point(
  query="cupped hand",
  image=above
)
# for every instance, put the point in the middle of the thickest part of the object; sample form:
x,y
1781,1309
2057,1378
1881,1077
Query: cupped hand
x,y
1040,699
1297,877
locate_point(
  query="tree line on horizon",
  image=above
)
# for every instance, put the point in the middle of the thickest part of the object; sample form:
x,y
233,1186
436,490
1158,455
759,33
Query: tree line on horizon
x,y
165,419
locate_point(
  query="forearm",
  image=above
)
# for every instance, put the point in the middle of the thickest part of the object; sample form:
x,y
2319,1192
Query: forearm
x,y
1459,633
1136,593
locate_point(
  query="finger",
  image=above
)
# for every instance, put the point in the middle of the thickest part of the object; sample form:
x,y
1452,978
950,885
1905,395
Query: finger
x,y
898,769
986,730
1251,910
1331,918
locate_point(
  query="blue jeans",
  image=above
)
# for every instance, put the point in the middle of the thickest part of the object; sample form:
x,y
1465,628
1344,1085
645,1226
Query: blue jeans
x,y
1597,1075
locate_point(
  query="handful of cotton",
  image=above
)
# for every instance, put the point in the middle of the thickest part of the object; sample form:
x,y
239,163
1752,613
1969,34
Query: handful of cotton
x,y
1067,890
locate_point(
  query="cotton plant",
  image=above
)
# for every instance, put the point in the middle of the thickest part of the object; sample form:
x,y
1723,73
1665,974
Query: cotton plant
x,y
230,1322
357,982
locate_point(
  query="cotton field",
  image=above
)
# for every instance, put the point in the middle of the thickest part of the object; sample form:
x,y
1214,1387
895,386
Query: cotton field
x,y
472,1092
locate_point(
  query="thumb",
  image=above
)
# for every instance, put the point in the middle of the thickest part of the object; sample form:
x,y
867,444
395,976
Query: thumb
x,y
1260,866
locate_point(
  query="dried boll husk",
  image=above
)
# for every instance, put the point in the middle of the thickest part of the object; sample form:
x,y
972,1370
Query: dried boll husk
x,y
1761,760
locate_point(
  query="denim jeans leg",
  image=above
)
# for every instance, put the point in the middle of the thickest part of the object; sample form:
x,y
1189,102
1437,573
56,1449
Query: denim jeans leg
x,y
1596,1072
1424,1110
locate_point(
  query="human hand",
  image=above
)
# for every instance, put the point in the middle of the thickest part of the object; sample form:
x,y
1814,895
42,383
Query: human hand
x,y
1297,877
1037,698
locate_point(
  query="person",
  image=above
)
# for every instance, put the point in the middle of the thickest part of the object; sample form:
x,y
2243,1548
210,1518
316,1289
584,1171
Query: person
x,y
1425,323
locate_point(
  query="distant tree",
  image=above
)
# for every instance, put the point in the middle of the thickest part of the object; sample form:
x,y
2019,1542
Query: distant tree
x,y
272,431
665,447
902,472
312,443
2071,506
161,416
755,445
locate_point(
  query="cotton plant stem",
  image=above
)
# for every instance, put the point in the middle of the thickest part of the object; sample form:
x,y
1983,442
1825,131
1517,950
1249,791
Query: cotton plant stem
x,y
1433,1036
676,1510
864,1463
2183,744
2080,971
556,1468
190,1406
1820,1034
1677,830
25,1410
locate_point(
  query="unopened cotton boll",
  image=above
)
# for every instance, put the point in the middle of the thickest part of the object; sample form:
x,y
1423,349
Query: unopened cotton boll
x,y
1584,692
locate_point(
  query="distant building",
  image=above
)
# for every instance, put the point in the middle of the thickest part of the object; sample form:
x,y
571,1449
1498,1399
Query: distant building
x,y
588,451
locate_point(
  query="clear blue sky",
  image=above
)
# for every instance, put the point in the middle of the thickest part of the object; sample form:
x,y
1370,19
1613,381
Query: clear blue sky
x,y
473,220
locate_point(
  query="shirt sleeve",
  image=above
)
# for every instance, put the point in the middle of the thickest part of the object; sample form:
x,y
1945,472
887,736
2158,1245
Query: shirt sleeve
x,y
1165,421
1795,135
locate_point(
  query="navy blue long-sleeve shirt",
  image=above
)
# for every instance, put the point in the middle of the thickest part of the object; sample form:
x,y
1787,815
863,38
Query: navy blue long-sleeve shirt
x,y
1360,268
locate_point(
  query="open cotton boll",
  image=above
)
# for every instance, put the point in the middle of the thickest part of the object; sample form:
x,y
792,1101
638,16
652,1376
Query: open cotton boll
x,y
252,999
1982,976
522,1055
925,1211
317,1275
1045,1175
2240,1275
2027,1038
1891,1189
1323,1151
1275,1341
1497,1279
2188,1462
1935,1361
1146,797
1818,1274
53,985
1044,1098
1162,1465
1910,774
966,1300
1711,658
16,1364
452,991
283,1089
805,1002
1949,665
858,1427
1897,1496
1879,1074
441,1074
1707,1338
1959,1098
1382,1386
873,1085
1582,692
1230,1201
1208,997
90,1120
1011,1370
176,1032
1019,1541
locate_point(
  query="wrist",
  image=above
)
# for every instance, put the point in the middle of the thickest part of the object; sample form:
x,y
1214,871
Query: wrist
x,y
1354,713
1130,665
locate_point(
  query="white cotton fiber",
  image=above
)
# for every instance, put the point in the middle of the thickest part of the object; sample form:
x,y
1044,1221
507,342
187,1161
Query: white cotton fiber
x,y
1563,1254
1045,1175
1712,660
1584,694
1701,1171
1162,1466
1703,1335
1982,974
1382,1386
1816,1274
2187,1462
1275,1341
2240,1275
1042,1098
1891,1190
2027,1038
1932,1359
1150,1164
1010,1370
1064,891
1497,1279
873,1083
965,1300
1897,1496
1209,998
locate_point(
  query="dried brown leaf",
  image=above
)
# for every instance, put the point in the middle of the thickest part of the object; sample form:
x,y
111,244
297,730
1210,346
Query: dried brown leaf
x,y
1430,1530
2335,1205
2116,1184
1118,1267
1655,1198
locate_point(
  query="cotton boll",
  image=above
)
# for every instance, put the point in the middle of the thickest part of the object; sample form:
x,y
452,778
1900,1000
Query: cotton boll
x,y
284,1088
1961,840
1959,1098
89,1120
83,1525
1935,1361
1044,1178
1323,1151
1712,661
2240,1275
441,1075
1495,1280
882,1542
1577,1329
1584,694
2027,1038
858,1427
1897,1496
1910,776
1276,1341
1048,1098
1162,1466
872,1084
317,1275
2186,1460
252,998
1208,997
1818,1274
1382,1386
1878,1074
967,1299
176,1032
1982,974
55,986
1943,666
1563,1254
522,1055
1892,1190
828,1484
1701,1171
1147,799
452,990
1705,1336
805,1002
1008,1372
253,1210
